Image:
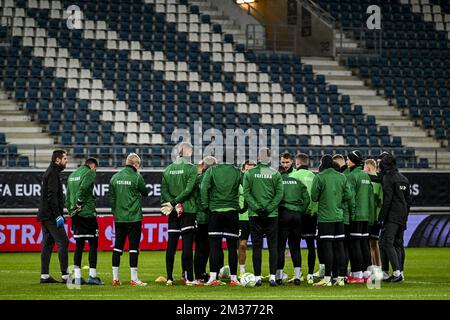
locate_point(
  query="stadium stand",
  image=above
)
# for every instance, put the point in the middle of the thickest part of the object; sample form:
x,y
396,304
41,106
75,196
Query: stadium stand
x,y
413,69
139,69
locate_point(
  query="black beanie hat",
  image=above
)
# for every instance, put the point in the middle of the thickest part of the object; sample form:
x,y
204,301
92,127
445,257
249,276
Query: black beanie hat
x,y
326,162
355,156
383,154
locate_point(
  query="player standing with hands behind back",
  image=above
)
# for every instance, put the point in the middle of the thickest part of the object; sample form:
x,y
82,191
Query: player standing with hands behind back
x,y
126,190
263,191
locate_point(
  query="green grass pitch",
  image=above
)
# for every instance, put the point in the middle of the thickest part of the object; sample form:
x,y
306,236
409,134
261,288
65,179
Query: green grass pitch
x,y
426,272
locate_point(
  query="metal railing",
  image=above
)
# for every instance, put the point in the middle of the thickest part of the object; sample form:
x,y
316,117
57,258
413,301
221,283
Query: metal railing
x,y
282,37
314,8
369,42
251,10
255,37
113,156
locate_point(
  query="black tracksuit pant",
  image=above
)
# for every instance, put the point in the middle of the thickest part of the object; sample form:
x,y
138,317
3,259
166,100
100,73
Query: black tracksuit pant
x,y
201,250
391,245
52,235
289,229
260,227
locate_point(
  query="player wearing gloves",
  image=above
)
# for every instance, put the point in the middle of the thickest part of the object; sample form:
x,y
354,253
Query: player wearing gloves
x,y
50,214
363,212
294,204
263,191
179,203
126,189
80,203
330,190
220,199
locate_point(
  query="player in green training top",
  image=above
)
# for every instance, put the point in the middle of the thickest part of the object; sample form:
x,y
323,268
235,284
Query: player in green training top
x,y
220,198
309,218
201,234
244,225
370,166
330,190
179,202
362,190
126,189
263,191
80,203
341,166
292,207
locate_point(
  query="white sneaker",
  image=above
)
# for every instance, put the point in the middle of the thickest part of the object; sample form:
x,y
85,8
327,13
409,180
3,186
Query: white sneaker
x,y
385,275
137,283
169,283
194,283
310,279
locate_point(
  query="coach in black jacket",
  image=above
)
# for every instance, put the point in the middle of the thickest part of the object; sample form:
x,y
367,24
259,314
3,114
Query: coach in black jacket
x,y
393,216
50,214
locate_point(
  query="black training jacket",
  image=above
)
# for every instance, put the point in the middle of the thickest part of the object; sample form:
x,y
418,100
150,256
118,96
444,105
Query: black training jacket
x,y
52,197
396,194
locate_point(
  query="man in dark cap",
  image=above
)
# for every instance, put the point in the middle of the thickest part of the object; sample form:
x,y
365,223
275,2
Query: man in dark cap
x,y
393,217
363,212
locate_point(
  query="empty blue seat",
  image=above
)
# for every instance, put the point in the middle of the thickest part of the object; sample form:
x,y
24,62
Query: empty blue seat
x,y
23,161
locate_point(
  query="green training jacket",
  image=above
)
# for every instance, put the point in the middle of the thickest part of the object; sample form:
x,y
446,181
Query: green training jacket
x,y
295,194
220,188
178,184
202,217
80,185
378,199
307,178
126,189
345,206
242,216
362,190
330,190
263,189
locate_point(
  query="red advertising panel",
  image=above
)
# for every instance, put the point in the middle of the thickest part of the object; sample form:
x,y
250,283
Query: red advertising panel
x,y
23,233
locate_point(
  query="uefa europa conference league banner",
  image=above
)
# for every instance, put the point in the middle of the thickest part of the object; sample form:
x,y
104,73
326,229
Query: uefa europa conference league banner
x,y
22,189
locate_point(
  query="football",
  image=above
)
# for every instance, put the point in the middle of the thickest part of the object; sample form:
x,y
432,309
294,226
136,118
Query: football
x,y
248,280
224,272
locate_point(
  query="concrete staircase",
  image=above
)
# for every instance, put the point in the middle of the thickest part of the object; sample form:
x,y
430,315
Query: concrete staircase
x,y
29,136
386,114
345,44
